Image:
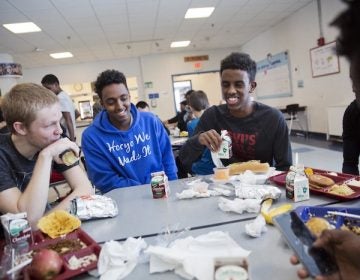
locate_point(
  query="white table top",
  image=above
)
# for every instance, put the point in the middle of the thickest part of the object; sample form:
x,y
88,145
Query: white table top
x,y
141,215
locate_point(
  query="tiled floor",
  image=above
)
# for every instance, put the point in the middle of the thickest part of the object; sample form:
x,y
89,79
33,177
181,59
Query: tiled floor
x,y
318,153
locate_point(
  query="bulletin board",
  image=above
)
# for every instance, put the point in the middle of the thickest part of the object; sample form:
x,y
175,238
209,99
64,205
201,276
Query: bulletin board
x,y
273,76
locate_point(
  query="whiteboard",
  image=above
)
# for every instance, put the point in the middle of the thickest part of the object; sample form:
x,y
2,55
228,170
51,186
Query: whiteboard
x,y
273,76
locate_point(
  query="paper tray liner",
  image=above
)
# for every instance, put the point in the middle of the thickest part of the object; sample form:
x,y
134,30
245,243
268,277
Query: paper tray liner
x,y
41,240
339,179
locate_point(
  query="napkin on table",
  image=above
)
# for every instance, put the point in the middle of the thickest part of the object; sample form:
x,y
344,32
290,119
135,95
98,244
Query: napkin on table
x,y
240,205
194,257
117,260
257,227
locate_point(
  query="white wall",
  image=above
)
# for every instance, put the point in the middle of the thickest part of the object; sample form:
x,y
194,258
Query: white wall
x,y
296,34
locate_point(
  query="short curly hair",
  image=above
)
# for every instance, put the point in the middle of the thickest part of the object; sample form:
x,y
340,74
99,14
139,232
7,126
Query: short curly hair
x,y
109,77
241,61
348,42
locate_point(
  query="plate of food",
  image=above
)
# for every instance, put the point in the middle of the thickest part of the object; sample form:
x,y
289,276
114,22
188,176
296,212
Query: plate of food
x,y
318,219
332,184
76,253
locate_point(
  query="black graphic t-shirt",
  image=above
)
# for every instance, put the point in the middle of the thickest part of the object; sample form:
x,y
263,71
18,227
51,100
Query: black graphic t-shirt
x,y
263,135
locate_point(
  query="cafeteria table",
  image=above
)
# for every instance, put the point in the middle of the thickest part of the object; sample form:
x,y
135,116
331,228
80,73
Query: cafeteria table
x,y
141,215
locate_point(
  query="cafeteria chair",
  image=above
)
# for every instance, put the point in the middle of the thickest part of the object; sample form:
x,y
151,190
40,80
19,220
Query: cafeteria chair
x,y
292,112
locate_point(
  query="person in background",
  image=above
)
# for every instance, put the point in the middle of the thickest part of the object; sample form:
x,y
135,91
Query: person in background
x,y
31,151
351,131
189,114
344,246
198,103
179,119
143,106
52,83
123,146
258,132
97,107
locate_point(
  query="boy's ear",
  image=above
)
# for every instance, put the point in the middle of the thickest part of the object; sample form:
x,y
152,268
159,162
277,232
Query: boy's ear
x,y
252,86
20,128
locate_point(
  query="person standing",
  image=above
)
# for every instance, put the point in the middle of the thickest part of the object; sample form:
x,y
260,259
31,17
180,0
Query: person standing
x,y
351,131
51,82
258,131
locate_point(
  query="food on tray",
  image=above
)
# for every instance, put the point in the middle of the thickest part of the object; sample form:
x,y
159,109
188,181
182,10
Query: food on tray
x,y
317,181
354,182
308,171
46,264
184,134
68,157
221,173
76,263
352,225
58,223
316,225
342,190
253,165
67,246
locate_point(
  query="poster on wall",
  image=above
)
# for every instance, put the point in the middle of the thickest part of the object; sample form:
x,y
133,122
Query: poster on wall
x,y
324,60
10,70
273,76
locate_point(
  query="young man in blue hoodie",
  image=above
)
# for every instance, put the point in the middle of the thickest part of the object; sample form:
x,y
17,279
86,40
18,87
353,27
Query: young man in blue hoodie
x,y
123,146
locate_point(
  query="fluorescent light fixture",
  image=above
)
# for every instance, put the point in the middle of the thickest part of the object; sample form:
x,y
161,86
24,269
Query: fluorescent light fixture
x,y
199,12
180,44
22,27
61,55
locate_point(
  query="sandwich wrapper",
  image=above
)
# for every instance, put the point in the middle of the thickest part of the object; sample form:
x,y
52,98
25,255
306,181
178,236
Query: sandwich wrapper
x,y
240,205
200,189
117,260
194,257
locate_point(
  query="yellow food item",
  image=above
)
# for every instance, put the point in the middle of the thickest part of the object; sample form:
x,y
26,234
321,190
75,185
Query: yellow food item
x,y
58,223
342,190
252,165
308,171
184,134
269,214
316,225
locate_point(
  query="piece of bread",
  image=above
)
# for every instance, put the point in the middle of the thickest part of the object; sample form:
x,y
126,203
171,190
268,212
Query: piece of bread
x,y
316,225
317,181
253,165
68,157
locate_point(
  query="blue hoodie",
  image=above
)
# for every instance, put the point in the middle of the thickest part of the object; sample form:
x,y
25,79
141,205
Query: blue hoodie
x,y
116,158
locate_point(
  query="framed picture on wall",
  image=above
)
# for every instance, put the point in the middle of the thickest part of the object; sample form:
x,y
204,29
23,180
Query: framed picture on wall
x,y
324,60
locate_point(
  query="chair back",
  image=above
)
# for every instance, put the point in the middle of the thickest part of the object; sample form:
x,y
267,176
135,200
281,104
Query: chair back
x,y
292,109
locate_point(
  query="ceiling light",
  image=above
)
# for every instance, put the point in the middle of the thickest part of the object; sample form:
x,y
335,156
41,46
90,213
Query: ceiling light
x,y
61,55
199,12
180,44
22,27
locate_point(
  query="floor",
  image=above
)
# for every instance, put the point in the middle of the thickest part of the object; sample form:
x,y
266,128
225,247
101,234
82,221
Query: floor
x,y
317,153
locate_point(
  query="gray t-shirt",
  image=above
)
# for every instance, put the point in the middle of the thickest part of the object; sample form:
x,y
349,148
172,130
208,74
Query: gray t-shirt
x,y
15,169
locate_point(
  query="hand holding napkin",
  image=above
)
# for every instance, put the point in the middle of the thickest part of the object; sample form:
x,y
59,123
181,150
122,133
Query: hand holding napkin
x,y
117,260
